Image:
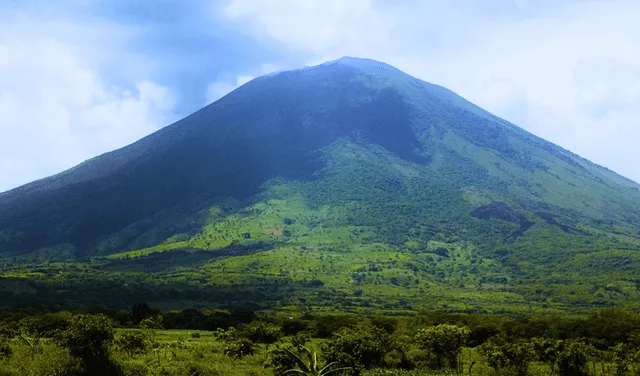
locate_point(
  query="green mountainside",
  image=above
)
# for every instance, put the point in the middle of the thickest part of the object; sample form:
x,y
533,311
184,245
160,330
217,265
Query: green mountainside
x,y
345,186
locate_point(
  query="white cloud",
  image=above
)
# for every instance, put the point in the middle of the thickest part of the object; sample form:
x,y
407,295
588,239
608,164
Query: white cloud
x,y
220,88
567,71
315,26
56,111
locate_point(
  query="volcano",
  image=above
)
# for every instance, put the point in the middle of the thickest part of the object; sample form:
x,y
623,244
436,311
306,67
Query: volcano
x,y
343,176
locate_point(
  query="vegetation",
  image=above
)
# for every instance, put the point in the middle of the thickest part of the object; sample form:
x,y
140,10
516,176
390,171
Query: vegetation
x,y
301,366
107,343
445,342
510,357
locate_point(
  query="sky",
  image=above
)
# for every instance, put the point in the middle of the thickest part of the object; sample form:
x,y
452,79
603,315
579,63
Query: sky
x,y
79,78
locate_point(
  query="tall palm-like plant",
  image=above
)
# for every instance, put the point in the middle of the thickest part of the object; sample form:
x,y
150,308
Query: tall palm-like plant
x,y
312,367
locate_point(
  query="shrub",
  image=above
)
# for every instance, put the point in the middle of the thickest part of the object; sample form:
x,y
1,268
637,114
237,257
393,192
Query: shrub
x,y
238,348
626,354
420,358
5,349
262,332
299,340
49,359
285,360
132,342
509,357
361,347
88,338
546,350
151,325
572,357
225,335
45,325
87,335
279,358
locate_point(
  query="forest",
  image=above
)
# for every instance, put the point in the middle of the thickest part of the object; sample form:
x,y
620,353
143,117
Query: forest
x,y
197,342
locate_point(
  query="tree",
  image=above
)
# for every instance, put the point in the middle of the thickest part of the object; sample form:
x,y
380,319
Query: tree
x,y
445,342
151,325
141,311
225,335
45,325
625,354
132,342
33,329
238,348
572,357
360,347
507,356
88,338
262,332
546,350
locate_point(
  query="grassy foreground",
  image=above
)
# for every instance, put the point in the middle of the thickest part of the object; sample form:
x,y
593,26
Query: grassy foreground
x,y
179,353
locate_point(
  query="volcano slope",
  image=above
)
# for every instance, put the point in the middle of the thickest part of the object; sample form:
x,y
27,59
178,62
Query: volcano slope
x,y
345,186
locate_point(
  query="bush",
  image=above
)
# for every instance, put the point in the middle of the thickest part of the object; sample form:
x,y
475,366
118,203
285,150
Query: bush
x,y
88,338
361,347
238,348
151,325
5,349
7,330
225,335
421,358
509,357
302,361
133,342
46,359
572,357
546,350
279,358
299,340
45,325
262,332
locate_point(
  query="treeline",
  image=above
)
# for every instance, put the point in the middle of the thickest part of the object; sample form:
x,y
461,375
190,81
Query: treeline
x,y
88,342
602,328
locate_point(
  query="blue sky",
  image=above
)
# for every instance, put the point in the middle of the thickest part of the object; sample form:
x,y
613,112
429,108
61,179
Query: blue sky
x,y
82,77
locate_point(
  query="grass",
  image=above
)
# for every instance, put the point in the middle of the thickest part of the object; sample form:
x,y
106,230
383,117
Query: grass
x,y
189,352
